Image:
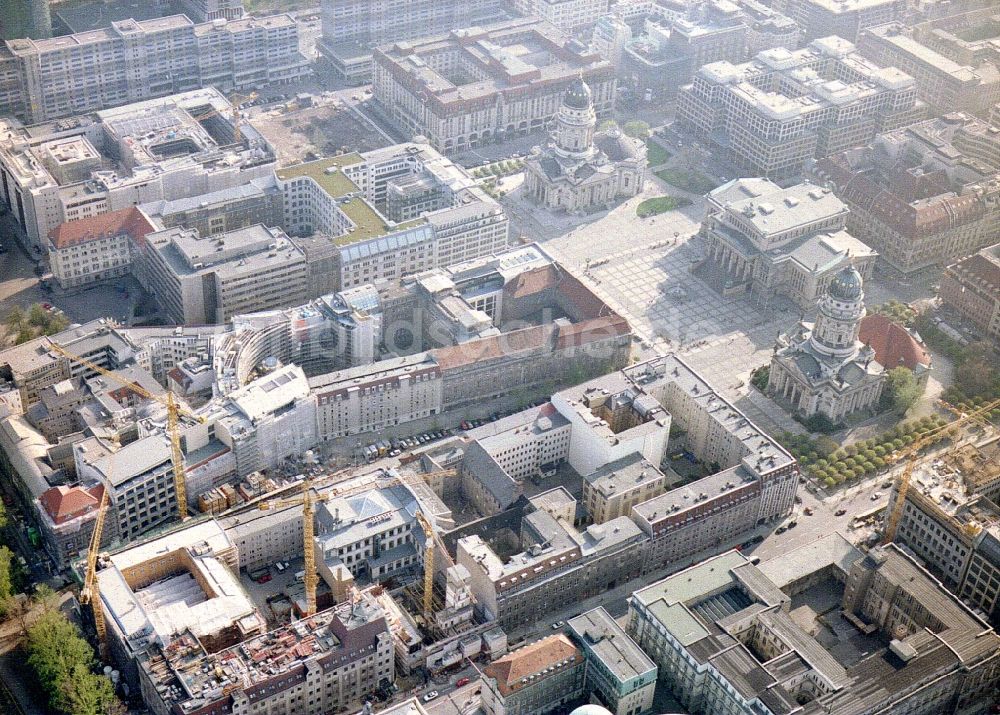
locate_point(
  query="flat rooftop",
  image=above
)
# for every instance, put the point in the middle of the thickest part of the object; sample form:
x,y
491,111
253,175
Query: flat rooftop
x,y
602,636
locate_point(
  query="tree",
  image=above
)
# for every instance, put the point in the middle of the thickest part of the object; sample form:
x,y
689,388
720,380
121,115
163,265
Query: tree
x,y
607,124
54,651
636,129
901,389
3,515
85,693
38,316
6,575
15,318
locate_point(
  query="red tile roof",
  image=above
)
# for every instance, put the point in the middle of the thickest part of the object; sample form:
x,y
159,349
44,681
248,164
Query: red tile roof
x,y
533,659
893,344
130,221
64,503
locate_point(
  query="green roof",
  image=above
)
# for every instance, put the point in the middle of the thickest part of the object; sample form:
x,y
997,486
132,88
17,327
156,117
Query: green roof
x,y
334,183
367,220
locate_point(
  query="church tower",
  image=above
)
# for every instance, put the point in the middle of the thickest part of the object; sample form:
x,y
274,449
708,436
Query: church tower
x,y
575,123
840,312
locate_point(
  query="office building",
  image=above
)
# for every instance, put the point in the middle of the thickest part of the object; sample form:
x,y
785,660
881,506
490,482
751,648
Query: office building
x,y
96,248
181,587
843,18
951,524
824,368
540,677
330,661
560,564
611,34
66,520
509,80
386,214
784,107
945,85
580,170
671,49
926,194
725,638
202,280
136,60
971,287
618,672
159,149
353,28
615,488
767,28
766,242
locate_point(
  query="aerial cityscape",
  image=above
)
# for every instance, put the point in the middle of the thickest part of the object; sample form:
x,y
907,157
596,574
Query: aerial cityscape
x,y
499,357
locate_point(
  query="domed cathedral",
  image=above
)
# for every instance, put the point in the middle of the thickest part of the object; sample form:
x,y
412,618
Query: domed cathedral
x,y
581,169
822,368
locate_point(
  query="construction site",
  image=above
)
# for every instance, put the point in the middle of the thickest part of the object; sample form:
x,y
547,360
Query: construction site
x,y
302,130
221,604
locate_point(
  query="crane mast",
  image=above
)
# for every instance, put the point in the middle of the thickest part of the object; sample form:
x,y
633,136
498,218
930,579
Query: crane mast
x,y
174,413
90,593
911,455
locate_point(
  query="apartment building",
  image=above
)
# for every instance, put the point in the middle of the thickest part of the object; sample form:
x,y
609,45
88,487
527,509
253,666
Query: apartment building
x,y
765,241
209,279
135,60
724,640
785,107
479,84
846,19
570,16
156,150
971,287
618,672
540,677
942,83
66,521
96,248
925,194
353,28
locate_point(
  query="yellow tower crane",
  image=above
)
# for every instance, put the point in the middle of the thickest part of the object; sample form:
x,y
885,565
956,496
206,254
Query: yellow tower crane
x,y
306,500
90,594
912,453
174,413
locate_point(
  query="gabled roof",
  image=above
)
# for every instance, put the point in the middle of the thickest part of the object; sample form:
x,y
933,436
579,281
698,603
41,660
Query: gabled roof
x,y
64,503
893,344
531,662
130,221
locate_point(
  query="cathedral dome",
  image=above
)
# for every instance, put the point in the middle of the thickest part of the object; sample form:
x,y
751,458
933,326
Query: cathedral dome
x,y
591,709
578,96
846,285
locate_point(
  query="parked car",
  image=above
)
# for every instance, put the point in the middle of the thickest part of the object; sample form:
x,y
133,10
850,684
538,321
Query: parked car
x,y
461,681
840,512
780,530
792,524
808,511
876,496
430,696
557,625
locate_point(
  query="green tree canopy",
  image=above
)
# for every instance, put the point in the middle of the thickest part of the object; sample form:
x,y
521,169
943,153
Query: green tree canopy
x,y
636,129
901,389
86,693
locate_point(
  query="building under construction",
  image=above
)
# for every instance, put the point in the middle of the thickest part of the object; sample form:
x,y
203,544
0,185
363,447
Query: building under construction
x,y
319,664
950,520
